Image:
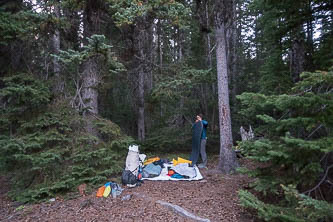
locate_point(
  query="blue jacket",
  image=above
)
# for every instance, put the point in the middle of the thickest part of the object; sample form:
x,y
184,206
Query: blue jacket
x,y
204,130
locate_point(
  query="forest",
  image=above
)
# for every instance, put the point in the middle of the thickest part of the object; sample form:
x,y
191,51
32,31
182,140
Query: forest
x,y
81,80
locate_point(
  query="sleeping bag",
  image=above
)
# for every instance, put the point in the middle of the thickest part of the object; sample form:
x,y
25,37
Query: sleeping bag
x,y
196,141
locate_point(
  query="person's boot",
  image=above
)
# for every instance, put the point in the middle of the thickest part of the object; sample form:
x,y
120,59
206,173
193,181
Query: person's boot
x,y
201,165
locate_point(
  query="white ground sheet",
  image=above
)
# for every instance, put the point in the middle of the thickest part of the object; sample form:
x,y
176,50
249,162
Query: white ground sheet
x,y
164,176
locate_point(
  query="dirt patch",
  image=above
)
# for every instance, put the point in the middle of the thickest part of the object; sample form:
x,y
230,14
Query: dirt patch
x,y
214,198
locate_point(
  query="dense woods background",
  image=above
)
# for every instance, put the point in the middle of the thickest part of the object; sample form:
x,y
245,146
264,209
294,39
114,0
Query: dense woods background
x,y
81,80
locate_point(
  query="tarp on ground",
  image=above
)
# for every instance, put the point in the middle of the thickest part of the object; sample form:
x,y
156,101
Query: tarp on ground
x,y
164,174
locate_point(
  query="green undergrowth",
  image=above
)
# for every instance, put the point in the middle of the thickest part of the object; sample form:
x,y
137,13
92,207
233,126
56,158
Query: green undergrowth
x,y
45,147
294,148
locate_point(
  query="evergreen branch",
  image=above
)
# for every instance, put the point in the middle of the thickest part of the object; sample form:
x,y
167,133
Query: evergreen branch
x,y
320,182
321,125
303,92
288,111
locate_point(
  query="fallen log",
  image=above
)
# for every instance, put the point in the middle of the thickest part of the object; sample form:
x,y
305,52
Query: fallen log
x,y
175,208
181,211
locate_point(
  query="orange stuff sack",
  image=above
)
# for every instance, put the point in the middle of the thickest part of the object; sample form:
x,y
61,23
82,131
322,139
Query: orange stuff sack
x,y
100,191
171,172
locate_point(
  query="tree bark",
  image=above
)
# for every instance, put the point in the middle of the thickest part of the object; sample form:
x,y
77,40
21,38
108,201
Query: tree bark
x,y
89,89
209,55
297,59
91,75
309,66
59,83
210,65
56,41
160,44
141,105
72,32
227,160
142,53
233,53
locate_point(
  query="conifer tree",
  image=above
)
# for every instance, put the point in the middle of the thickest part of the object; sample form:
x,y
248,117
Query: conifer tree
x,y
295,146
227,161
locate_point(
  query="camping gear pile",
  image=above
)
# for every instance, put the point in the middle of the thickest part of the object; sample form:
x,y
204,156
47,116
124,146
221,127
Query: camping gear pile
x,y
179,169
109,188
138,169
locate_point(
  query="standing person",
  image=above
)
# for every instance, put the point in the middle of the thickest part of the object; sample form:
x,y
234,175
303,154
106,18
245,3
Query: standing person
x,y
199,132
203,141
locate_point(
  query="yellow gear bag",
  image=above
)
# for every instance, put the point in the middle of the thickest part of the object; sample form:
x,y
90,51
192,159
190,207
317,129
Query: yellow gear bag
x,y
107,191
151,160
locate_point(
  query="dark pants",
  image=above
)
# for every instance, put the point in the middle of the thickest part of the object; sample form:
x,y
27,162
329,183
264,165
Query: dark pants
x,y
203,152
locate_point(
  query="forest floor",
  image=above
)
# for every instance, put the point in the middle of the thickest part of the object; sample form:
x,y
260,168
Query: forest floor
x,y
214,198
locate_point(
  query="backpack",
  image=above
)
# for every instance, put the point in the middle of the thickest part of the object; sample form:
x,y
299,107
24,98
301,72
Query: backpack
x,y
128,177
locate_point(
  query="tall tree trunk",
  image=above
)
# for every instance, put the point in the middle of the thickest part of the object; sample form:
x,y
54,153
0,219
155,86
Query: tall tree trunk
x,y
89,89
227,161
160,44
142,59
90,93
152,51
56,41
180,37
205,88
233,54
210,65
141,105
209,54
231,40
59,83
91,24
297,55
309,66
72,32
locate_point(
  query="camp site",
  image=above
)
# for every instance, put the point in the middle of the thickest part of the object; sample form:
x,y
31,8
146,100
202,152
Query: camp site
x,y
166,110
